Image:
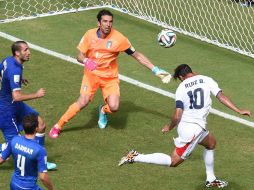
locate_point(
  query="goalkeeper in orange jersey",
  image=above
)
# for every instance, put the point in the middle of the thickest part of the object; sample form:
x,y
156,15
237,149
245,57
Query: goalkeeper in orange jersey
x,y
98,51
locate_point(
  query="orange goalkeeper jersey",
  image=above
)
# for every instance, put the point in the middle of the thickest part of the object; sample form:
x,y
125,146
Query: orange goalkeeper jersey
x,y
104,51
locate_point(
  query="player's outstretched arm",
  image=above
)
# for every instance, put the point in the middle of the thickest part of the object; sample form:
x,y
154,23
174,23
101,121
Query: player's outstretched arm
x,y
227,102
162,74
46,180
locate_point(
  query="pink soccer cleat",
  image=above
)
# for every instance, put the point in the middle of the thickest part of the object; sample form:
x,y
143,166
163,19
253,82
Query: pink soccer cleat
x,y
54,132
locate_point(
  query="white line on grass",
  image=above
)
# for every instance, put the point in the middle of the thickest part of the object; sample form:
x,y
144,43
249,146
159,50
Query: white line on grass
x,y
127,79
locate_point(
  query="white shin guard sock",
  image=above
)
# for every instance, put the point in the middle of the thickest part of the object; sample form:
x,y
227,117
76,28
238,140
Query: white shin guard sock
x,y
155,158
209,164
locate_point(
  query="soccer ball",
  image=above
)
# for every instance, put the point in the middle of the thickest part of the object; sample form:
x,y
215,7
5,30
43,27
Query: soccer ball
x,y
167,38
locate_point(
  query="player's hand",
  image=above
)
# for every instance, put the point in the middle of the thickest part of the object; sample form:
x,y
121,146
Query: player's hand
x,y
90,64
165,129
40,93
245,112
162,74
25,82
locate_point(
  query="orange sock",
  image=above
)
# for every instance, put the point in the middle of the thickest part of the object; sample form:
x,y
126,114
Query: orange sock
x,y
106,109
69,114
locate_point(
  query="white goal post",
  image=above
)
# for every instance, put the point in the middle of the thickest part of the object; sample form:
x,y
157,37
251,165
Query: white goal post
x,y
225,23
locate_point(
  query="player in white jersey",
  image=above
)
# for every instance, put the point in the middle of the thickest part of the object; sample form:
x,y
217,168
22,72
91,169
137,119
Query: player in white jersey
x,y
193,103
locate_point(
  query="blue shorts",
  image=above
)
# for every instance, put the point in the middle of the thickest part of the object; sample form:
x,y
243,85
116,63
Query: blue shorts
x,y
11,123
14,186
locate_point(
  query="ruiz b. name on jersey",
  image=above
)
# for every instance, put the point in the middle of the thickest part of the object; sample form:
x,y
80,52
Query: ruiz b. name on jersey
x,y
192,83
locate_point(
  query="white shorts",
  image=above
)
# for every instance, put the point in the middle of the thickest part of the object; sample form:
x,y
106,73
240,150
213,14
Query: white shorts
x,y
189,135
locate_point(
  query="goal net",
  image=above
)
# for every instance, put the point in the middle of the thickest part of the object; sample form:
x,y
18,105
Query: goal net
x,y
225,23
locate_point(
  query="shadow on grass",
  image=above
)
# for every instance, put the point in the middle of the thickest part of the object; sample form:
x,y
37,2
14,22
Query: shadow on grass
x,y
116,120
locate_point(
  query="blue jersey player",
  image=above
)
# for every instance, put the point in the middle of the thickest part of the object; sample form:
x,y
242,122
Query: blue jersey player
x,y
12,107
30,158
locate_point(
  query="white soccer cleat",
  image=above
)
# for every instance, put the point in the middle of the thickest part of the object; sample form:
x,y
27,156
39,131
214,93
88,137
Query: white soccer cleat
x,y
129,158
217,183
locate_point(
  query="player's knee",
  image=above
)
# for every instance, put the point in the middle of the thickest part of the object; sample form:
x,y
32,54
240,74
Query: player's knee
x,y
83,101
114,107
42,125
211,145
174,163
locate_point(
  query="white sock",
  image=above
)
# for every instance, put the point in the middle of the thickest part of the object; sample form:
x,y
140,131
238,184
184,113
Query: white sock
x,y
209,164
155,158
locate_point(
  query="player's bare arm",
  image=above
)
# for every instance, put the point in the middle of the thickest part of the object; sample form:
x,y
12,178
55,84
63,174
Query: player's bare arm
x,y
17,95
1,160
174,121
81,57
46,180
227,102
142,59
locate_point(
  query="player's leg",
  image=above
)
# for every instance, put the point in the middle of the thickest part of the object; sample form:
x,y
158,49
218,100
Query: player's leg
x,y
88,88
209,143
9,130
154,158
23,110
111,94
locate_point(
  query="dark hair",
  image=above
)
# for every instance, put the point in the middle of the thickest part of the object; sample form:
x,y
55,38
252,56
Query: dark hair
x,y
182,70
16,46
30,122
102,13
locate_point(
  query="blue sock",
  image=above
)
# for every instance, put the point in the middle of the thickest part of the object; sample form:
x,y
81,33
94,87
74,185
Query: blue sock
x,y
40,138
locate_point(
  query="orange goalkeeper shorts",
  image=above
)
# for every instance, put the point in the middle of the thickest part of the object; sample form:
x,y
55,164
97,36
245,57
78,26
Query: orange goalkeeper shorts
x,y
91,83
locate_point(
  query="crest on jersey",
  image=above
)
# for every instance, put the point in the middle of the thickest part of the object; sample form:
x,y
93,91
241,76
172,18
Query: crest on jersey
x,y
109,44
85,88
16,78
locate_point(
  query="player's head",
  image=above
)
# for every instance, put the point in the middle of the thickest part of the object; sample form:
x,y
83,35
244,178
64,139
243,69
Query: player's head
x,y
20,51
30,123
182,71
105,21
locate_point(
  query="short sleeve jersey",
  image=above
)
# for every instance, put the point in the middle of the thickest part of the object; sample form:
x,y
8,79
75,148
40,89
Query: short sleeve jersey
x,y
11,72
194,96
104,51
29,159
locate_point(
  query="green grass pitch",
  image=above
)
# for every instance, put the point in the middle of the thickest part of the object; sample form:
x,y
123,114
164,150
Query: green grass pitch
x,y
86,156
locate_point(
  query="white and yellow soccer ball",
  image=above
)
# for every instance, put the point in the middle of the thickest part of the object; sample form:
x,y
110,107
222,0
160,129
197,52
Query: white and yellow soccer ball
x,y
167,38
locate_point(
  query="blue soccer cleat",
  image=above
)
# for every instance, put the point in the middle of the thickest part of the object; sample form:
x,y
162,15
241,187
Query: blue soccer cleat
x,y
51,166
102,122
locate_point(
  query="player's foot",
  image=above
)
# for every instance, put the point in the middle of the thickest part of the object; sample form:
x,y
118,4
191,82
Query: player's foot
x,y
102,122
51,166
54,132
129,158
217,183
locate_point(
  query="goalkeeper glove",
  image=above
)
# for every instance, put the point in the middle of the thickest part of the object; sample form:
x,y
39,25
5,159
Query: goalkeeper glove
x,y
164,75
90,64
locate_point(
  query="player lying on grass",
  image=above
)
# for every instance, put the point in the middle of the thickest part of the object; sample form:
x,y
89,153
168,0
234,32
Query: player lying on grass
x,y
193,103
